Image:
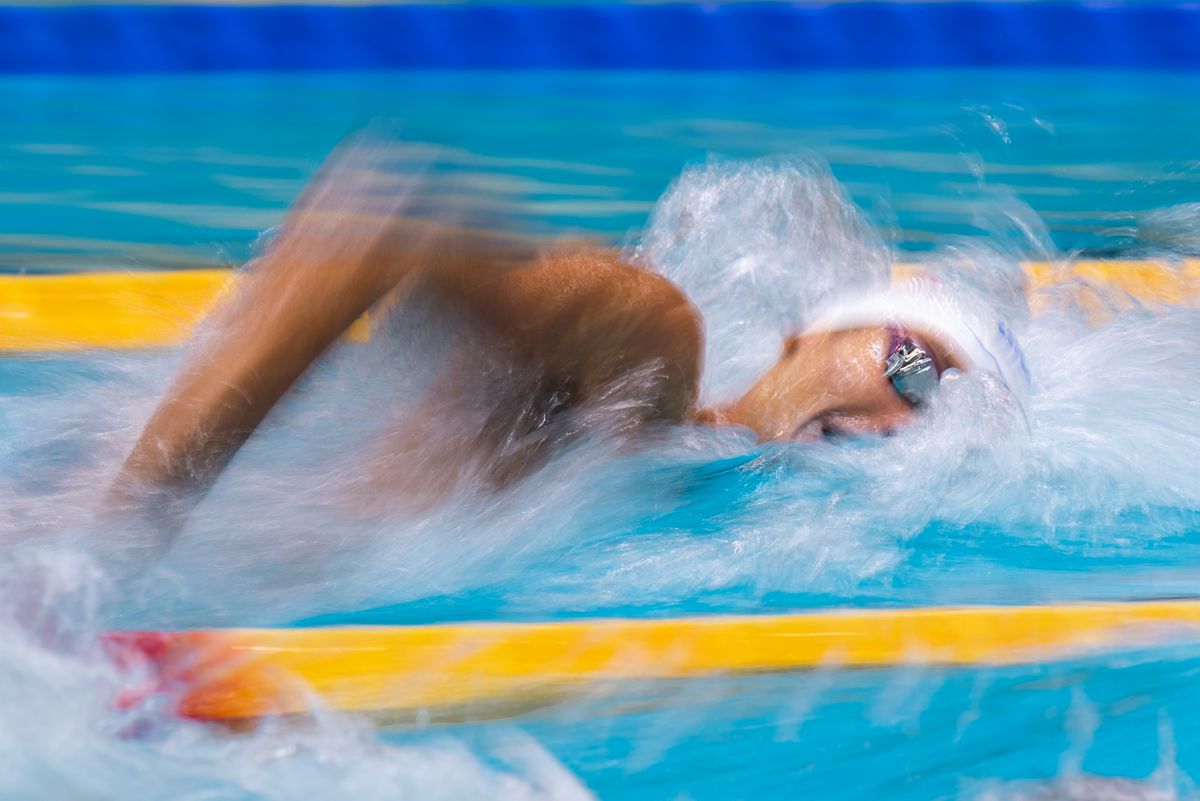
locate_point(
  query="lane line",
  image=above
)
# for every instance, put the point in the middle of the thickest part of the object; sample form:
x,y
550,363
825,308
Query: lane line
x,y
232,674
134,310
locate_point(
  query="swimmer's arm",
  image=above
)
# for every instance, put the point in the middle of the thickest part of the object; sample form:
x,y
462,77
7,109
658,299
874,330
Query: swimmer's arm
x,y
581,322
283,313
584,317
338,252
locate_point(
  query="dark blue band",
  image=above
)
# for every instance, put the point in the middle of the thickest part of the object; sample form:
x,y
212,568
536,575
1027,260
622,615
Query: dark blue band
x,y
735,36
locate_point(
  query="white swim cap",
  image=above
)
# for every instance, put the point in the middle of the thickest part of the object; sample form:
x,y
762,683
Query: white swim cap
x,y
976,337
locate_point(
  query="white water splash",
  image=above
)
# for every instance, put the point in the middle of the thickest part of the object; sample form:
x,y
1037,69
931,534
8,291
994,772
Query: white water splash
x,y
61,735
1108,437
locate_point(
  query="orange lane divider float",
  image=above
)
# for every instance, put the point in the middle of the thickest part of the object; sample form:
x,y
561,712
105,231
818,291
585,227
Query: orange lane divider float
x,y
236,675
128,310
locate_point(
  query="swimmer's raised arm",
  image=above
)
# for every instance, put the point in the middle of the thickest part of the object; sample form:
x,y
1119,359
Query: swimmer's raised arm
x,y
337,253
580,318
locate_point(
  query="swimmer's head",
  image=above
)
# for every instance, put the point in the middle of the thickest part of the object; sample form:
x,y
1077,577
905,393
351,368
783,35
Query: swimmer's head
x,y
867,367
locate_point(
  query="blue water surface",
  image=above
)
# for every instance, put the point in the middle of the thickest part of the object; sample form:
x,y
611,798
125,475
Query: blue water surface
x,y
1090,493
173,171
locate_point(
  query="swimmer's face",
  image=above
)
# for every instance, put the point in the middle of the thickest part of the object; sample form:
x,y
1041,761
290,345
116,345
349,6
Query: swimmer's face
x,y
826,383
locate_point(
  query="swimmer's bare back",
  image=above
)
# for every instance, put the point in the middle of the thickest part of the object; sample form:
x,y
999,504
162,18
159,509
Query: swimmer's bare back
x,y
574,319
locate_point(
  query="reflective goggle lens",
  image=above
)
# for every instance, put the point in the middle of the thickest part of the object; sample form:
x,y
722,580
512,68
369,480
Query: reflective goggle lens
x,y
911,370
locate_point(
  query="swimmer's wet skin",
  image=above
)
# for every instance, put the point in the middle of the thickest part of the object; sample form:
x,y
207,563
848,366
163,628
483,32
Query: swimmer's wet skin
x,y
550,331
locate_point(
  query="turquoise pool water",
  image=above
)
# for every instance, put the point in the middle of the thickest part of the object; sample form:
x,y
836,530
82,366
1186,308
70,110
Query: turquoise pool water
x,y
1091,492
158,171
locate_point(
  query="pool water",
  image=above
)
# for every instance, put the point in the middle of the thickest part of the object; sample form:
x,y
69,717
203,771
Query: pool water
x,y
156,171
794,188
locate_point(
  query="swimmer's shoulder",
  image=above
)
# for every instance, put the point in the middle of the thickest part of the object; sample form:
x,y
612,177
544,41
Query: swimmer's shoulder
x,y
589,313
636,313
573,290
579,266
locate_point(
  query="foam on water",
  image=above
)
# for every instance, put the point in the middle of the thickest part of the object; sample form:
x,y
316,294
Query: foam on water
x,y
1099,466
61,736
1106,440
757,246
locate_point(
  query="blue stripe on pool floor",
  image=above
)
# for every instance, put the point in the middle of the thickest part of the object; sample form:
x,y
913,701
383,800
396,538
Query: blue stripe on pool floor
x,y
737,36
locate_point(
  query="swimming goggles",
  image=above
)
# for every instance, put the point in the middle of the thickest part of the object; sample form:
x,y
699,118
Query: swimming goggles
x,y
911,367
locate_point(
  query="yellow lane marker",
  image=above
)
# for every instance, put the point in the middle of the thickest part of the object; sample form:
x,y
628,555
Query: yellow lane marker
x,y
236,674
110,310
132,310
104,310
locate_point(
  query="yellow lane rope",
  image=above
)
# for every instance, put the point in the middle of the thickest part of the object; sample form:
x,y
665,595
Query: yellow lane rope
x,y
109,310
236,674
115,310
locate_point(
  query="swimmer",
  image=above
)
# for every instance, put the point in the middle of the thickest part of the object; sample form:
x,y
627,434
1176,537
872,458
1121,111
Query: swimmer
x,y
553,338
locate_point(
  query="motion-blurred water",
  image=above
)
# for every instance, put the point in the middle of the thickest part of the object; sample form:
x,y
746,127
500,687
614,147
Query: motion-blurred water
x,y
1090,491
147,172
